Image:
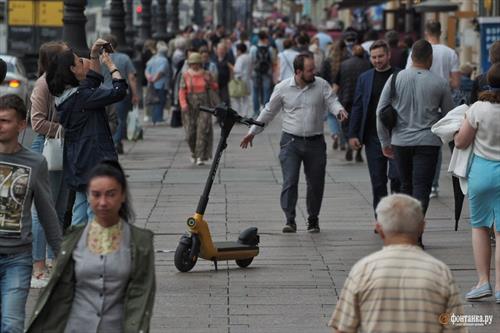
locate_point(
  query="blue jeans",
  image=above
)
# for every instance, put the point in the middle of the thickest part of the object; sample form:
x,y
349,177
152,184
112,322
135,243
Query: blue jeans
x,y
122,109
416,166
157,110
381,169
82,213
59,192
295,151
261,92
15,277
335,129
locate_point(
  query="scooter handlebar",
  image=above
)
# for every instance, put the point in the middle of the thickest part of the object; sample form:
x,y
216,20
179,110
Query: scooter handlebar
x,y
250,121
238,119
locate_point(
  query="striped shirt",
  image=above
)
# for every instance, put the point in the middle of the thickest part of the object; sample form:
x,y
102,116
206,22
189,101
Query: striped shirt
x,y
397,289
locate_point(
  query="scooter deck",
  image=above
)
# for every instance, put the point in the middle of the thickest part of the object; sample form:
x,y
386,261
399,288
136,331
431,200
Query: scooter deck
x,y
233,246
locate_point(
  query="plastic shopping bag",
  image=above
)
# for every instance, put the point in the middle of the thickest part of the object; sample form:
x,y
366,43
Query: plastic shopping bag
x,y
134,128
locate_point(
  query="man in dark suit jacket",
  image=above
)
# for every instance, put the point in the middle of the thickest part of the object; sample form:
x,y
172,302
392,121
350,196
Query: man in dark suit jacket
x,y
363,127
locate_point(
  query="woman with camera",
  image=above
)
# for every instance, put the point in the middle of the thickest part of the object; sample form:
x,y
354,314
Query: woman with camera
x,y
81,103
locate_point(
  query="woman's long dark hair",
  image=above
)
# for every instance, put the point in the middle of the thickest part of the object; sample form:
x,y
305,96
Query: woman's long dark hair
x,y
46,53
59,74
113,169
493,78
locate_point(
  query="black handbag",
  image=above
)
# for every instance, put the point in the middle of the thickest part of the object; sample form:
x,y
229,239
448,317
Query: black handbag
x,y
176,119
388,115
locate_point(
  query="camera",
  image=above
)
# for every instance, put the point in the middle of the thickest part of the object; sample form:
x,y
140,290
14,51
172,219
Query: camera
x,y
107,47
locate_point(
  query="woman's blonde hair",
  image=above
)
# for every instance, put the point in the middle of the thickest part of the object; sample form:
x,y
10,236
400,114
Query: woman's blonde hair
x,y
338,52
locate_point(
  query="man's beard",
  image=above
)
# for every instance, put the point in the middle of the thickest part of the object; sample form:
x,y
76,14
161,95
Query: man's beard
x,y
307,81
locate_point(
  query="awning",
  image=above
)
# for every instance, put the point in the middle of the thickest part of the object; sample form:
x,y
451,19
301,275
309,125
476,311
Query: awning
x,y
436,6
358,3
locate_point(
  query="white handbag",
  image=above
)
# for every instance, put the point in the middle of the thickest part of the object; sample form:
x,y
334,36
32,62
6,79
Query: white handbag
x,y
53,151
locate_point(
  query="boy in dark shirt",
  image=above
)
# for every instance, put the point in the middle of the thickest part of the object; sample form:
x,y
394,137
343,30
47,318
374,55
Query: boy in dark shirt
x,y
24,178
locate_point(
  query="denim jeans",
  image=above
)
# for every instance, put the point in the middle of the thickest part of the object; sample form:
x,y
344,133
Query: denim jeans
x,y
295,151
82,213
122,109
437,174
335,129
381,169
157,110
15,277
261,92
416,166
59,192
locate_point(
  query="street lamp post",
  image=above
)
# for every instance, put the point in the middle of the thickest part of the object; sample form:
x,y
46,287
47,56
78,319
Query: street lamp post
x,y
144,33
175,16
117,25
129,22
161,21
145,27
198,13
408,17
74,26
225,14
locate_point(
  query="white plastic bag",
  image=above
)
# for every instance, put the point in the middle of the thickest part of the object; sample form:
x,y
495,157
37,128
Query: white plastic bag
x,y
53,151
134,128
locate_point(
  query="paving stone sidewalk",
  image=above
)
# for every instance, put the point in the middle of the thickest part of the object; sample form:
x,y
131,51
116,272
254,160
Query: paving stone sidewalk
x,y
293,285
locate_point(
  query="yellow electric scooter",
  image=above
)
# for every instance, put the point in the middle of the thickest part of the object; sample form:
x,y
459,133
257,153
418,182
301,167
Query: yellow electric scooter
x,y
198,242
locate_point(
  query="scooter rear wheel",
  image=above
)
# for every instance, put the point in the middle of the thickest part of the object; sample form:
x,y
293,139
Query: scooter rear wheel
x,y
182,259
244,262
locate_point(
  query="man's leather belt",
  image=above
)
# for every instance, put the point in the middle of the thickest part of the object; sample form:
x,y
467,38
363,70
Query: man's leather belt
x,y
306,138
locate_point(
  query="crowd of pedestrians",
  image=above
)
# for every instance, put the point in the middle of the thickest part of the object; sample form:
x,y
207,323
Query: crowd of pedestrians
x,y
104,281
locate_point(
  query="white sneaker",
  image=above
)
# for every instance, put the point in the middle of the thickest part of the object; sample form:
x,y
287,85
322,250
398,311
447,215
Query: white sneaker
x,y
434,192
146,119
192,159
199,161
39,281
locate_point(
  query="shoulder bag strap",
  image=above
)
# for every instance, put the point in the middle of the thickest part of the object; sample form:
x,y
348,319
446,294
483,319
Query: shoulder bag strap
x,y
393,85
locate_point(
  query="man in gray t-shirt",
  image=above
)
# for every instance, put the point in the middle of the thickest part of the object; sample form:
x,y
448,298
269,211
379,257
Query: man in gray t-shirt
x,y
127,70
24,179
421,99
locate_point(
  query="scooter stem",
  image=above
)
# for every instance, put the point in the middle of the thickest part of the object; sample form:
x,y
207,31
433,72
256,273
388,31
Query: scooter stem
x,y
227,124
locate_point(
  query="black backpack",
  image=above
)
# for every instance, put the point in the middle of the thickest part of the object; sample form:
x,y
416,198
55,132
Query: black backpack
x,y
263,60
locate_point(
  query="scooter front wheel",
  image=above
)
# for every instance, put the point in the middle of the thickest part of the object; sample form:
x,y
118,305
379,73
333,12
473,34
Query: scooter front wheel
x,y
182,258
244,262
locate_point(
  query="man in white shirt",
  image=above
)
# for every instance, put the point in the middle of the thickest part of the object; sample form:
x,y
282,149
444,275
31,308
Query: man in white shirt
x,y
444,59
303,98
445,64
285,60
